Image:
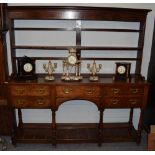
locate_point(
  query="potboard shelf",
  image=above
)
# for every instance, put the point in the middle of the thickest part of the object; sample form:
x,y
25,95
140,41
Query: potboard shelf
x,y
73,133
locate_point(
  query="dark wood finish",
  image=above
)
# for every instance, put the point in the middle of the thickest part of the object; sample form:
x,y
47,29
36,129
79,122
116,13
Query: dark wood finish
x,y
75,133
104,93
73,29
44,29
77,47
77,13
62,58
5,111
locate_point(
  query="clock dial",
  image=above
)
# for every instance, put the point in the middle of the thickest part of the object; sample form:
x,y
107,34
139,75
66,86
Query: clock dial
x,y
72,59
27,67
121,69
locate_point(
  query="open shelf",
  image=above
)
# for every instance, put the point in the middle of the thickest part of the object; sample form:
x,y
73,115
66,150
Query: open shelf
x,y
75,133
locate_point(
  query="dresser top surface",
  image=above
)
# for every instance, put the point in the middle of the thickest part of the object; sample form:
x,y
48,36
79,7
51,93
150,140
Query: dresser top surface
x,y
84,81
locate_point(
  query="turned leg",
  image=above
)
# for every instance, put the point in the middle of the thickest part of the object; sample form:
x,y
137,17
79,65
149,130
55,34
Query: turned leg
x,y
100,131
54,134
14,127
130,120
140,126
20,118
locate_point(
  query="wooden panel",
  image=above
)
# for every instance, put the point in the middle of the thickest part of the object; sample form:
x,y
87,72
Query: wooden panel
x,y
31,102
122,102
77,91
33,90
77,13
60,101
117,90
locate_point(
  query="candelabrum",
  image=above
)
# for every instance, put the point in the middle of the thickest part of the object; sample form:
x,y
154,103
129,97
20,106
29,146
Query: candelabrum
x,y
50,68
94,69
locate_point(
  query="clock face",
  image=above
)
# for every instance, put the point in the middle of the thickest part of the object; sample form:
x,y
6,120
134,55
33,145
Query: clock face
x,y
72,59
28,67
121,69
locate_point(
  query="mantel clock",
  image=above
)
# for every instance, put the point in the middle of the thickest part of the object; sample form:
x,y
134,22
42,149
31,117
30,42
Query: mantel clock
x,y
122,72
26,68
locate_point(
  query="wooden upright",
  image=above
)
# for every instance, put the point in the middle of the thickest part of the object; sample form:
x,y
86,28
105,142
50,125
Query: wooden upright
x,y
5,112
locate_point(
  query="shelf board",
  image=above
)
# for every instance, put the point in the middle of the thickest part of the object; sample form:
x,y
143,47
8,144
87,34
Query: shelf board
x,y
75,132
43,29
82,58
73,29
110,30
77,47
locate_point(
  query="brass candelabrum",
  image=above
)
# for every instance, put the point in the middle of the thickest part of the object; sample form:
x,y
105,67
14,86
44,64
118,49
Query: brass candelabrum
x,y
94,69
50,69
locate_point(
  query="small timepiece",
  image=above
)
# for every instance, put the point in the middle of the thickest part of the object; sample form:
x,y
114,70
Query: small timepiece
x,y
26,68
72,58
122,72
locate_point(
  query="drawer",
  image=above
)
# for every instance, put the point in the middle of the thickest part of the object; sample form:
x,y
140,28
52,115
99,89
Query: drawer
x,y
34,90
77,91
30,102
122,102
123,90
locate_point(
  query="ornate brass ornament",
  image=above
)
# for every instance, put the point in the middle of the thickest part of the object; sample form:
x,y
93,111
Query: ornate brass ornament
x,y
50,68
94,69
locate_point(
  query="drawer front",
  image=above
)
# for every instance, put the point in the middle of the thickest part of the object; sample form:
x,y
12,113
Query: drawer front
x,y
30,102
122,102
77,91
123,90
34,90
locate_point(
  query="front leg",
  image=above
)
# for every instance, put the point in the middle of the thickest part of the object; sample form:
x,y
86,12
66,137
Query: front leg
x,y
14,128
140,127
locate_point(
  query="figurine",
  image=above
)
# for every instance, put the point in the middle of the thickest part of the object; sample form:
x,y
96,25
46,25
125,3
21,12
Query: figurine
x,y
94,70
50,68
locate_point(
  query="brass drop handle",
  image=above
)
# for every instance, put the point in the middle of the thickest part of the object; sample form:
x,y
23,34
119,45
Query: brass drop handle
x,y
20,102
40,101
67,90
115,90
114,101
20,91
90,91
134,90
41,91
133,101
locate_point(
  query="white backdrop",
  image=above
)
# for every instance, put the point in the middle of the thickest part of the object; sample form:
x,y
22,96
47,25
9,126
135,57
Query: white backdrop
x,y
83,111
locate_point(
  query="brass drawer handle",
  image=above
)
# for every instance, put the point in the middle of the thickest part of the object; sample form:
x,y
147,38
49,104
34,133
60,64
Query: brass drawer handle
x,y
134,90
133,101
115,90
20,91
90,91
114,101
67,90
40,101
20,102
41,91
